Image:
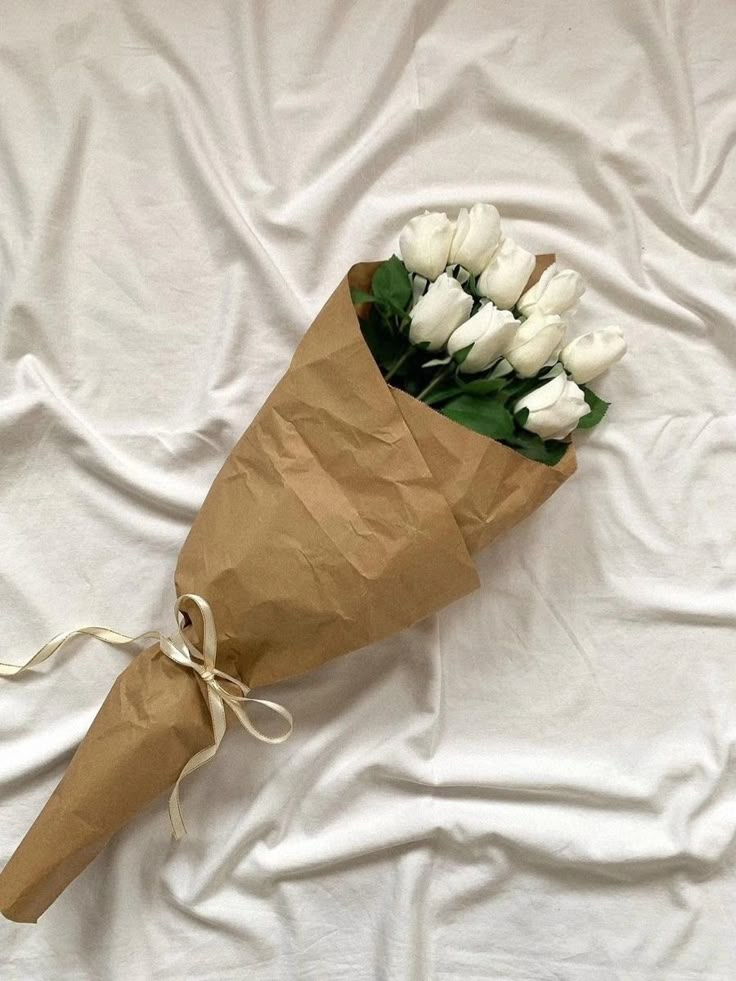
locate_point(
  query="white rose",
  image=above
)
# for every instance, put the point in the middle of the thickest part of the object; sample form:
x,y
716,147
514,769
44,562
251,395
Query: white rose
x,y
589,355
555,409
424,243
556,292
490,332
439,312
477,234
506,274
538,338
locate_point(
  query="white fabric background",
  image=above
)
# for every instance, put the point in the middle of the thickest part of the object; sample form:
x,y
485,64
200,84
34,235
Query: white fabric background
x,y
537,784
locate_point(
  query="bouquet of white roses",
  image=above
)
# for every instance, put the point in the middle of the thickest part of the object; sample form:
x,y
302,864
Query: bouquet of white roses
x,y
348,510
500,363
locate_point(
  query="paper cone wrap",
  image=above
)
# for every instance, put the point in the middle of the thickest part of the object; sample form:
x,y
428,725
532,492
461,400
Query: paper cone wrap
x,y
346,512
151,723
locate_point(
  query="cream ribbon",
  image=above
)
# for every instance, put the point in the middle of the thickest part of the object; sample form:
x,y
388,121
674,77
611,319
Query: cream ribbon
x,y
222,689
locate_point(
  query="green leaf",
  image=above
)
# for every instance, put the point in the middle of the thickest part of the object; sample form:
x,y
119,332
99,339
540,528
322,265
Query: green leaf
x,y
442,394
484,416
391,285
482,386
519,387
461,355
360,296
472,287
521,416
549,451
385,345
598,409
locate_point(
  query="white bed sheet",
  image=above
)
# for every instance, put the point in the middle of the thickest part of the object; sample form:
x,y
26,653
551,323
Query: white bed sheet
x,y
536,784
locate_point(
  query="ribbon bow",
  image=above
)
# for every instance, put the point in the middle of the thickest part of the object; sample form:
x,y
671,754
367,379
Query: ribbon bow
x,y
222,689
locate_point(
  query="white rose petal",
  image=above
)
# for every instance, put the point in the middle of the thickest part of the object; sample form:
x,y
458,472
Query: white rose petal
x,y
536,341
555,408
418,286
439,312
424,243
490,332
477,234
506,274
502,369
556,292
554,369
591,354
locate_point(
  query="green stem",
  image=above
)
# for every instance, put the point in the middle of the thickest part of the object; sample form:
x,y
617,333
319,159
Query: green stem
x,y
392,371
436,380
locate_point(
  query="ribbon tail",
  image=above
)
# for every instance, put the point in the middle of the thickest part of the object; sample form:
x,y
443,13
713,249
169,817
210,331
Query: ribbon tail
x,y
219,724
104,634
175,814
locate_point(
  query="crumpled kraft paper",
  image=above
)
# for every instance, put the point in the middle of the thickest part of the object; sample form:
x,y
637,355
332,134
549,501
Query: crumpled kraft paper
x,y
346,512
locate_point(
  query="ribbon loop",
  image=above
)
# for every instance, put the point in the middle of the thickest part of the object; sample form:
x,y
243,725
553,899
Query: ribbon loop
x,y
220,687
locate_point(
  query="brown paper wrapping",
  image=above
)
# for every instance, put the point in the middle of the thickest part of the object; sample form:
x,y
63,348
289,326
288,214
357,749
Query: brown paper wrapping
x,y
346,512
150,724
